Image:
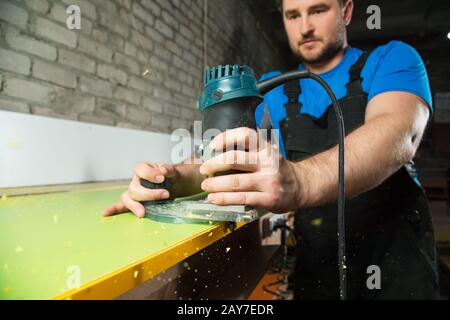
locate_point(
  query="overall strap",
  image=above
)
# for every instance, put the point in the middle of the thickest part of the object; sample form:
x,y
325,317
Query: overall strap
x,y
354,86
292,90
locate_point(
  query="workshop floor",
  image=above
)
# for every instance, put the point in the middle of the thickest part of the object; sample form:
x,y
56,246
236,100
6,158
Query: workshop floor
x,y
259,293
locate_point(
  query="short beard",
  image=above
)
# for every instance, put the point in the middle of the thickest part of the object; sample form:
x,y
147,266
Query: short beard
x,y
327,54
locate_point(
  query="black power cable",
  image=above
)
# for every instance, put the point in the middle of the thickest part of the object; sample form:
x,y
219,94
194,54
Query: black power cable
x,y
266,86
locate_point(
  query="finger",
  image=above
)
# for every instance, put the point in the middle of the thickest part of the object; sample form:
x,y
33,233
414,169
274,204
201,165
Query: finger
x,y
168,170
138,193
243,138
148,172
254,199
231,160
115,209
134,206
232,183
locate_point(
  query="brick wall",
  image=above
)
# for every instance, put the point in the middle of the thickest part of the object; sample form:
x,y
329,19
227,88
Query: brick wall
x,y
96,74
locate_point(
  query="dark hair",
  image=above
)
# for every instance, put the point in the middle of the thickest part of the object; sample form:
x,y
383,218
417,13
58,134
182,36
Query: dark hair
x,y
280,4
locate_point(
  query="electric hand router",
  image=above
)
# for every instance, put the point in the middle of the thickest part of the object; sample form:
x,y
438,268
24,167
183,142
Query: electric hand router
x,y
228,101
230,96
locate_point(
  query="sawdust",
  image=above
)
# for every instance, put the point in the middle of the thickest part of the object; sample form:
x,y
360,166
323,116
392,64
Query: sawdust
x,y
14,144
317,222
67,243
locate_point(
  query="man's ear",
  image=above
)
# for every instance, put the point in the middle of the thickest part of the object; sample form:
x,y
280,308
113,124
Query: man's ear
x,y
348,12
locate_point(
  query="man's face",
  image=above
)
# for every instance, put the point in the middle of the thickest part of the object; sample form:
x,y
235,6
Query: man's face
x,y
316,28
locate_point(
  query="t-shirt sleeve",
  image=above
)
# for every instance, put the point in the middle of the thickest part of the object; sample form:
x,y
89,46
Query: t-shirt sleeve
x,y
400,68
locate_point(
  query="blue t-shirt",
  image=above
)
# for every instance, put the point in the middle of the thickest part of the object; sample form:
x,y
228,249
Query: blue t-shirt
x,y
395,66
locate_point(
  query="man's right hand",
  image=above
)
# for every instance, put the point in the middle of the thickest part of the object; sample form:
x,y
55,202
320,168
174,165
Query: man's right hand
x,y
136,193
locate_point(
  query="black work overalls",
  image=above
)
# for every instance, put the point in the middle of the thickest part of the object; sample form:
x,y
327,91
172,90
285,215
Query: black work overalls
x,y
389,227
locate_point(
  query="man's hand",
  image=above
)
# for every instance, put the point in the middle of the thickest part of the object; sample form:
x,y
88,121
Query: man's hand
x,y
393,128
269,181
130,199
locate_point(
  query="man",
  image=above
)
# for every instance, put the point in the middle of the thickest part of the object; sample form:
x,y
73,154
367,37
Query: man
x,y
386,101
